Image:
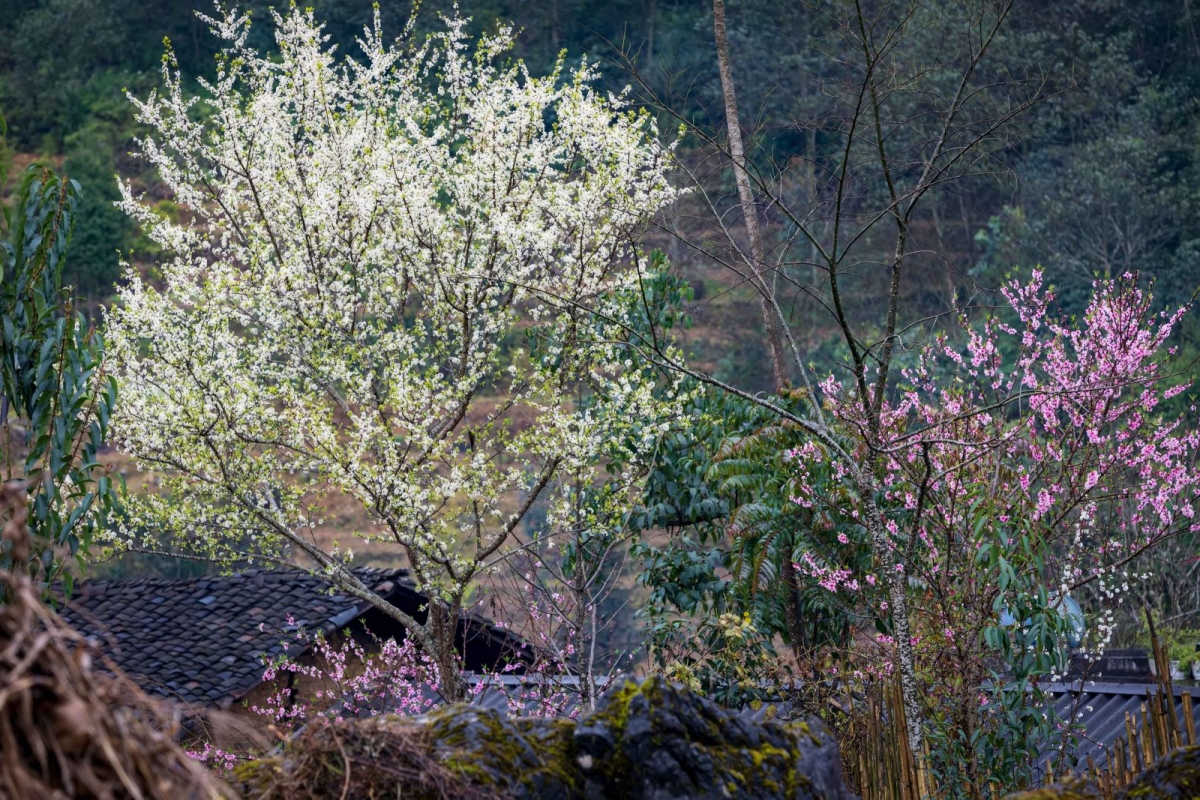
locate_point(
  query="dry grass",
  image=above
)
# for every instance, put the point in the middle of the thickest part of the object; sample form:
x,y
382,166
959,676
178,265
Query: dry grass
x,y
383,757
67,730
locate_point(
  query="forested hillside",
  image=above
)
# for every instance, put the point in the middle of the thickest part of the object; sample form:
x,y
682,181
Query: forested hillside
x,y
1096,178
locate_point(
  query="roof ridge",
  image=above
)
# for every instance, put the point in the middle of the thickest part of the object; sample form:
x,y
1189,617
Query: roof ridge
x,y
249,573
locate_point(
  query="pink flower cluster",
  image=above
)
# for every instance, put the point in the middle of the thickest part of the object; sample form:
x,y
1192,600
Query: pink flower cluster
x,y
829,579
328,680
346,680
219,760
1048,422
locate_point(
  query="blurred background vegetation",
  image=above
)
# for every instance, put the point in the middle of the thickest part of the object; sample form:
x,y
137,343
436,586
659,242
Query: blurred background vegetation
x,y
1099,179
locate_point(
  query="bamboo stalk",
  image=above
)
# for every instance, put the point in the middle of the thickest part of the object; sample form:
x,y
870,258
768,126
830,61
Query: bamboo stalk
x,y
1149,721
1135,764
911,791
1164,724
1160,662
1171,718
930,789
1146,739
1160,722
1189,721
897,717
873,726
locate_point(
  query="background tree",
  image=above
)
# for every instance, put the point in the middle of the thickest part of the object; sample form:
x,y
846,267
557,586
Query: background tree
x,y
915,106
386,289
56,396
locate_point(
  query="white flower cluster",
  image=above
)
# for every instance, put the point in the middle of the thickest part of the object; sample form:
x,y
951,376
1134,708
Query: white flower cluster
x,y
384,284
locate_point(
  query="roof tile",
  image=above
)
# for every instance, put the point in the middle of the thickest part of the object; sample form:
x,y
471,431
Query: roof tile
x,y
172,644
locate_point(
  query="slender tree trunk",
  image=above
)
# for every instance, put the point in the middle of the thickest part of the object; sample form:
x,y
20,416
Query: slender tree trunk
x,y
651,13
585,643
554,26
791,611
766,289
897,583
810,174
1193,42
589,675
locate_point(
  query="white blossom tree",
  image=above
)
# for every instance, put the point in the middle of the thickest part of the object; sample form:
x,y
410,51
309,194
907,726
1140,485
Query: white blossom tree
x,y
402,278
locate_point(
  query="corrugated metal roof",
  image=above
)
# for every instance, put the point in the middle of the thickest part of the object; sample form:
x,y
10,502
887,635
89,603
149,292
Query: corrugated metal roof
x,y
1099,708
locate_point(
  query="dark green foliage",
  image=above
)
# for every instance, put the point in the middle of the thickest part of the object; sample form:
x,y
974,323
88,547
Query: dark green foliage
x,y
101,227
725,578
1095,180
56,400
1107,172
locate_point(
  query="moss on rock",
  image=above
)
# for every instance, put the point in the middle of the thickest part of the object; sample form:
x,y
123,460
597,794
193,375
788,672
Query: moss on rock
x,y
1176,776
652,739
645,740
522,757
1068,790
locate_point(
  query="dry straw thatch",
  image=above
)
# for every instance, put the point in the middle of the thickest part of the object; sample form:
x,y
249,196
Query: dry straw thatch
x,y
381,757
66,729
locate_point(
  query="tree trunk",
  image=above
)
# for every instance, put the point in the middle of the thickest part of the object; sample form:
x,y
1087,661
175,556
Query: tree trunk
x,y
737,152
442,626
791,611
897,583
651,13
554,26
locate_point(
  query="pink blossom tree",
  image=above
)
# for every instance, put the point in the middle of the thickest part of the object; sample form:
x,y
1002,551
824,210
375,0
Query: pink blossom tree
x,y
1018,458
346,680
1031,462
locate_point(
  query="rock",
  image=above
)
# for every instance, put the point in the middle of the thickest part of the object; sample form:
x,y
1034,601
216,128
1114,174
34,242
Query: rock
x,y
1176,777
525,757
646,741
654,741
1068,790
821,761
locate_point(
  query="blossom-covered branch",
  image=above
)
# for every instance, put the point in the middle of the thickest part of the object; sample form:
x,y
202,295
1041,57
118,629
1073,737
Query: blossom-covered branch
x,y
356,302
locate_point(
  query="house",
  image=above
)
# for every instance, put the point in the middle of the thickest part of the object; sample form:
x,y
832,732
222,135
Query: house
x,y
203,641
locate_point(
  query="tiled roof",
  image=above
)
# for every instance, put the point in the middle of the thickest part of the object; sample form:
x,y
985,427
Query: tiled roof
x,y
198,640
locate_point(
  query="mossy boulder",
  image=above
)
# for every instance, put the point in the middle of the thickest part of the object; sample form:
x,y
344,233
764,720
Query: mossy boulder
x,y
525,757
646,741
1176,777
1068,790
653,740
